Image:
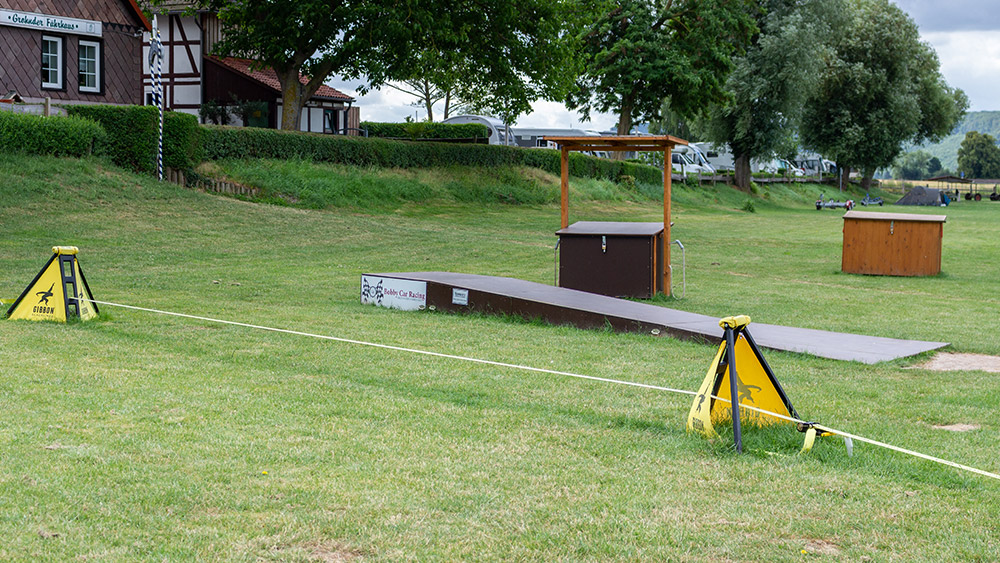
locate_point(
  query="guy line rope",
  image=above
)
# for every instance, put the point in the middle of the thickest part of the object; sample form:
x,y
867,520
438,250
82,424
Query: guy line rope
x,y
819,427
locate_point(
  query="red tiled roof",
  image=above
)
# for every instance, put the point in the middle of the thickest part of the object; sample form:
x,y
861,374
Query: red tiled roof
x,y
269,78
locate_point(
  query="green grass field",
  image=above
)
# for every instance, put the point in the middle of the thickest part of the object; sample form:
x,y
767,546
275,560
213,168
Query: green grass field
x,y
146,437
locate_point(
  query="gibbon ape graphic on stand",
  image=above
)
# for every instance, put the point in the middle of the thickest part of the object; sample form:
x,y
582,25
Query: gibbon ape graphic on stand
x,y
59,292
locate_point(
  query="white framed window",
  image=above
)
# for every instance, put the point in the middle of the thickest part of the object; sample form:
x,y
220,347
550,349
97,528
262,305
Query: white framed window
x,y
90,66
52,62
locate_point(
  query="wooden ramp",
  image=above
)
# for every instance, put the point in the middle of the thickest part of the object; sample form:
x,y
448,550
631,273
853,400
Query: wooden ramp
x,y
559,305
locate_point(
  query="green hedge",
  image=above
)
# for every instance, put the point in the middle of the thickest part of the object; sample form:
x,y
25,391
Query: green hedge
x,y
132,136
425,130
56,135
220,142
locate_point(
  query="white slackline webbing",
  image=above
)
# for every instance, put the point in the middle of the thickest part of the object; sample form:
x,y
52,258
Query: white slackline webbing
x,y
556,372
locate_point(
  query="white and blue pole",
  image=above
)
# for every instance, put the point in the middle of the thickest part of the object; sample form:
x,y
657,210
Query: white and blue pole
x,y
155,70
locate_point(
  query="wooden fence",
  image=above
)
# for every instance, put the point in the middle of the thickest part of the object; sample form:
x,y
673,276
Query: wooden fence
x,y
210,184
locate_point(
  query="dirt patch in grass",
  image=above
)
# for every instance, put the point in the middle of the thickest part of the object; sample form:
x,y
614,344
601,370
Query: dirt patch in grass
x,y
958,427
946,361
332,552
821,547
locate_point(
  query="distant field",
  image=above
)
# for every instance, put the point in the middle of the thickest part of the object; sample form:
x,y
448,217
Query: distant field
x,y
146,437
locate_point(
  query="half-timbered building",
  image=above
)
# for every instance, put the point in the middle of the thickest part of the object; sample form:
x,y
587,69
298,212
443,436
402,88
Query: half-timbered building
x,y
72,51
192,76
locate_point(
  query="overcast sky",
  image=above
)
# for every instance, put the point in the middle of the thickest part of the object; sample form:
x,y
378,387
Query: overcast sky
x,y
965,34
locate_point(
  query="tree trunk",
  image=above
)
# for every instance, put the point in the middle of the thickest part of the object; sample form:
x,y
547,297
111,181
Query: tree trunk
x,y
624,123
625,119
845,176
428,101
292,100
741,175
866,179
447,103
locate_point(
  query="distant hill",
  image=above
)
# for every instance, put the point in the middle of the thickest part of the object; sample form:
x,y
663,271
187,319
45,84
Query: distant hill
x,y
987,122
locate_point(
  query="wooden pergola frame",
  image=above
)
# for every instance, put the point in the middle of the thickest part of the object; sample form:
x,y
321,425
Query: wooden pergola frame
x,y
622,143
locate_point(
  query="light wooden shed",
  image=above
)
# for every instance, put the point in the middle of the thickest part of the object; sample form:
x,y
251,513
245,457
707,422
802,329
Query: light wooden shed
x,y
892,244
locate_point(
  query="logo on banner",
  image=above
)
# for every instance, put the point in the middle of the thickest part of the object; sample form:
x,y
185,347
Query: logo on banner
x,y
371,293
394,293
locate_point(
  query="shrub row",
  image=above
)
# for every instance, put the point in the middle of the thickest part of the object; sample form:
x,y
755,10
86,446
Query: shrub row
x,y
132,133
238,142
56,135
127,134
425,130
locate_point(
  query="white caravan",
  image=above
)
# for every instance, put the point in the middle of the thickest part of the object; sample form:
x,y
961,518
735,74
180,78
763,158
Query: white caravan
x,y
498,132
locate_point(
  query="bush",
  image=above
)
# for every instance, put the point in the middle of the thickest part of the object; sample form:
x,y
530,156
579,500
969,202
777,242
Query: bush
x,y
132,136
238,142
426,130
181,141
56,135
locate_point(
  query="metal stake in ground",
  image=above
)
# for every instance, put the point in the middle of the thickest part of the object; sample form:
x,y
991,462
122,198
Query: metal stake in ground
x,y
733,390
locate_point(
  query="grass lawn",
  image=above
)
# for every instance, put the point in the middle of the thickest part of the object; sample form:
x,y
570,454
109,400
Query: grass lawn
x,y
146,437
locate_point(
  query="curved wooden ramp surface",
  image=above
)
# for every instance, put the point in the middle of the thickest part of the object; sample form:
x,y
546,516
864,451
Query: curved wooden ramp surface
x,y
559,305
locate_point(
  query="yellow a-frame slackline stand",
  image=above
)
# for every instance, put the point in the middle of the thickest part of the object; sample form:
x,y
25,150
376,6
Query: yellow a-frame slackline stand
x,y
59,292
752,383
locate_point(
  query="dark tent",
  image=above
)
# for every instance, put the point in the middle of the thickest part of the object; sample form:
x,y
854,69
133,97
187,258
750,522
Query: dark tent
x,y
922,195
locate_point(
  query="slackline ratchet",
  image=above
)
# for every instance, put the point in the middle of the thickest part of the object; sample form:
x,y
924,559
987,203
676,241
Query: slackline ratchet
x,y
808,427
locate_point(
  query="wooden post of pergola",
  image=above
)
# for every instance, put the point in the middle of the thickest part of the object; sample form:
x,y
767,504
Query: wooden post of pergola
x,y
622,143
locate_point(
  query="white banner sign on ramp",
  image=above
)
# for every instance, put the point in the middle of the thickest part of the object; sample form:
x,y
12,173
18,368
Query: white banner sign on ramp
x,y
393,293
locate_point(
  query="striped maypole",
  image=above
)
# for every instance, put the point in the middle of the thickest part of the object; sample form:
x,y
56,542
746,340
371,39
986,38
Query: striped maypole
x,y
155,69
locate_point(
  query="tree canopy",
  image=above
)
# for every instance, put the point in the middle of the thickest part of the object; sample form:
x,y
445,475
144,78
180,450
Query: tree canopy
x,y
914,165
770,83
880,89
506,53
979,156
637,52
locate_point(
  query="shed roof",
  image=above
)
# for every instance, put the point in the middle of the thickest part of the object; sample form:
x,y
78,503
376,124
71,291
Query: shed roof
x,y
874,216
955,179
617,142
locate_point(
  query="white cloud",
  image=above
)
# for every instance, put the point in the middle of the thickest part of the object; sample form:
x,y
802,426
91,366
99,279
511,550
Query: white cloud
x,y
970,60
953,15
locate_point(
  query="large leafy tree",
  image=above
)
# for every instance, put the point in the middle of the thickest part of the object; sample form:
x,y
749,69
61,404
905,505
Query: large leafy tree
x,y
979,156
913,166
770,83
510,53
639,51
880,89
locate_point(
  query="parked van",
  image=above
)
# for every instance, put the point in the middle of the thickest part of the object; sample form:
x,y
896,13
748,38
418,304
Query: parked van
x,y
498,132
812,164
696,157
718,156
682,163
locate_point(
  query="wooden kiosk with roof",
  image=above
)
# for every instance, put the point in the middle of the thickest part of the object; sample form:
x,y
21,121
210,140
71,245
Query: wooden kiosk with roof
x,y
620,259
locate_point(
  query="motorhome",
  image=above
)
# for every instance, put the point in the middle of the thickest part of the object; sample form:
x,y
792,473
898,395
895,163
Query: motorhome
x,y
812,164
699,163
536,137
499,134
718,156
